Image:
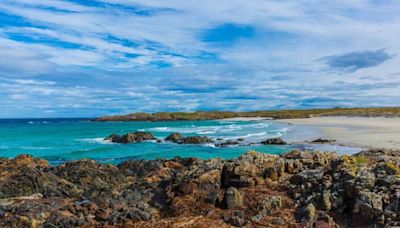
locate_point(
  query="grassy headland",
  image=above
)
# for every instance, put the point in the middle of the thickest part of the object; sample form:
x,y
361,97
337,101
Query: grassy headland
x,y
274,114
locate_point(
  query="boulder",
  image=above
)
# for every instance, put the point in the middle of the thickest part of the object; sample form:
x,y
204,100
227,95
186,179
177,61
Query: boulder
x,y
367,207
232,198
196,140
227,143
307,213
174,137
134,137
320,140
274,141
268,204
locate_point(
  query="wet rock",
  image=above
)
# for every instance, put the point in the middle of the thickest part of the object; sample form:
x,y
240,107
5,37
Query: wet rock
x,y
227,143
320,140
134,137
196,140
174,137
232,198
274,141
113,138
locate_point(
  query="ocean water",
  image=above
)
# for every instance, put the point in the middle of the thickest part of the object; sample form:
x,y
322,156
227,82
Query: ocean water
x,y
61,140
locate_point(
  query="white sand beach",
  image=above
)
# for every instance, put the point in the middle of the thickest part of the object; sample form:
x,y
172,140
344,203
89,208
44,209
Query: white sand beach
x,y
379,132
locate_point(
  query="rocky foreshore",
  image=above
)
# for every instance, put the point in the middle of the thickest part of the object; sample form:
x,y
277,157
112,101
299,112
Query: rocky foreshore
x,y
297,189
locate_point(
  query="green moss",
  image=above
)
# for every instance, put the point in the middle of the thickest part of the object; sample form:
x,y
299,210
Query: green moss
x,y
394,169
361,159
354,162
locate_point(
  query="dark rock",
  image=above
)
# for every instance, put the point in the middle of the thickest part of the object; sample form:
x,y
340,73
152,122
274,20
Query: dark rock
x,y
196,140
232,198
307,213
174,137
320,140
237,219
274,141
134,137
113,138
227,143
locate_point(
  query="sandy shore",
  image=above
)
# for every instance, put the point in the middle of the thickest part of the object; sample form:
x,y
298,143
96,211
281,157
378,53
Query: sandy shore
x,y
376,132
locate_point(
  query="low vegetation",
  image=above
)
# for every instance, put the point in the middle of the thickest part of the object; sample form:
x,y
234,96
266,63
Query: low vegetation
x,y
274,114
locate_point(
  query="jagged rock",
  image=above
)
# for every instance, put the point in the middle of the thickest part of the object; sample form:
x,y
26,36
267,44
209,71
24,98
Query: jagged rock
x,y
232,198
237,219
174,137
113,138
274,141
362,190
320,140
268,204
367,207
307,213
227,143
196,140
134,137
307,176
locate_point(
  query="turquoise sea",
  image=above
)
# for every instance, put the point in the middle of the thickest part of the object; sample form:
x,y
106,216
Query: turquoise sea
x,y
60,140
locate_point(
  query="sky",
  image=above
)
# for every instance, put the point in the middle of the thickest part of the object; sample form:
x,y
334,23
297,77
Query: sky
x,y
86,58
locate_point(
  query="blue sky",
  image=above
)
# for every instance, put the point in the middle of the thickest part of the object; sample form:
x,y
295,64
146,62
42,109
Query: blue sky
x,y
78,58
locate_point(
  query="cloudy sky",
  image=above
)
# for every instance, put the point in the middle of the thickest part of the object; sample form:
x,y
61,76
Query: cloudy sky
x,y
81,58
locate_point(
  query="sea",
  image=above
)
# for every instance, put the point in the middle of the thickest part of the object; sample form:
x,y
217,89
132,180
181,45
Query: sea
x,y
61,140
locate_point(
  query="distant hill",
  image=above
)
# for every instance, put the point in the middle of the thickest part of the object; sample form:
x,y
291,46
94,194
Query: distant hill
x,y
273,114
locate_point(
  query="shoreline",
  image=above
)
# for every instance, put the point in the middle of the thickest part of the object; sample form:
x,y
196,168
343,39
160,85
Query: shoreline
x,y
254,189
367,132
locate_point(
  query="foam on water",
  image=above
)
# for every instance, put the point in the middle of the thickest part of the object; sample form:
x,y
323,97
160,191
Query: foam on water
x,y
60,140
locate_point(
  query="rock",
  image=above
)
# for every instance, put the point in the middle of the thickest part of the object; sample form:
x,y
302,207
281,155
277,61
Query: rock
x,y
278,221
227,143
268,204
307,176
368,206
238,219
232,198
325,201
174,137
113,138
307,213
320,140
196,140
274,141
131,137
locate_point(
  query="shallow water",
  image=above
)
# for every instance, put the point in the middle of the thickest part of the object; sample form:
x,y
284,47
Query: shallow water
x,y
60,140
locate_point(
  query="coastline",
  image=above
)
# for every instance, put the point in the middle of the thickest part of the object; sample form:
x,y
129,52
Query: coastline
x,y
369,132
289,190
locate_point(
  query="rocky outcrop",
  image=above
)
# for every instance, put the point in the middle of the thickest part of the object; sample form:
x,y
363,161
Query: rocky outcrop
x,y
196,140
180,139
174,137
297,189
227,143
274,141
320,140
134,137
